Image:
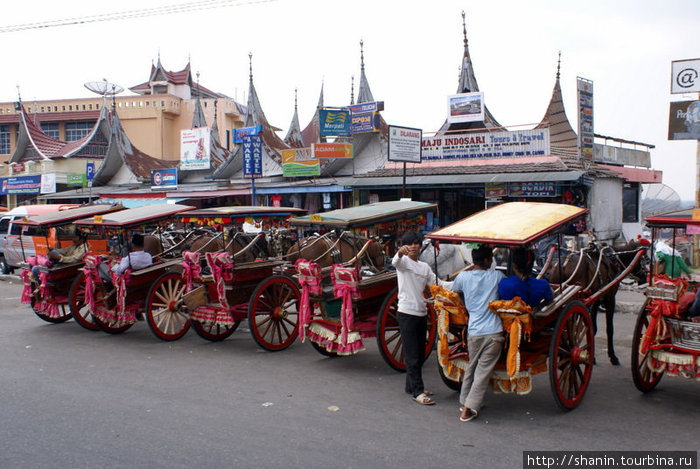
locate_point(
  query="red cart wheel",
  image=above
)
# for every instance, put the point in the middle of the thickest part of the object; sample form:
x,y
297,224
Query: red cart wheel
x,y
273,313
164,313
644,378
389,337
214,332
78,307
109,304
64,313
571,355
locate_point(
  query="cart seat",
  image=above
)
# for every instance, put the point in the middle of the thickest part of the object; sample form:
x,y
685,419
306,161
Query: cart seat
x,y
559,300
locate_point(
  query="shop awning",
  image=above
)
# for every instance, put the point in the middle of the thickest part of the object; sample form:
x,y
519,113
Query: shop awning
x,y
454,179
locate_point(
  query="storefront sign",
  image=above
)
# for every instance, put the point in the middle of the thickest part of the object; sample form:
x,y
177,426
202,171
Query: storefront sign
x,y
532,189
238,134
299,162
496,189
519,143
465,107
17,168
252,156
405,144
365,123
21,185
334,123
195,151
585,117
76,180
361,108
685,76
684,121
164,178
331,150
48,183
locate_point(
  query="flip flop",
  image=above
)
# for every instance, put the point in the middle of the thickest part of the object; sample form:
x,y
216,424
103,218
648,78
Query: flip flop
x,y
423,399
471,416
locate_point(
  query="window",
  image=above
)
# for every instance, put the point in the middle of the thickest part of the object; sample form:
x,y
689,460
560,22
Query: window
x,y
78,130
4,139
50,129
630,203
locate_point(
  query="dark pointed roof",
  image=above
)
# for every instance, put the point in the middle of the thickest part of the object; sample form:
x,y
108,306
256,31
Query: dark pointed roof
x,y
468,84
182,77
364,93
294,138
312,131
34,144
561,134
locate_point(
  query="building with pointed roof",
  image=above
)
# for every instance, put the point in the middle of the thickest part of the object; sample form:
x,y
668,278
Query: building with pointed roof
x,y
294,138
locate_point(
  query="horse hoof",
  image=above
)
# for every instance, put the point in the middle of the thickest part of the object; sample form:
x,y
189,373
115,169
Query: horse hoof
x,y
615,361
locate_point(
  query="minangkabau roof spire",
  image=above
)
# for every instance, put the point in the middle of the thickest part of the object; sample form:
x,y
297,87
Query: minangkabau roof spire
x,y
561,134
558,65
250,60
352,90
464,31
364,94
294,138
362,55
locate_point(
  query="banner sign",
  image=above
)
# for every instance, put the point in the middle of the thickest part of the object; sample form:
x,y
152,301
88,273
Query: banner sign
x,y
238,134
496,189
684,121
334,123
90,171
76,180
362,108
504,144
21,185
685,76
48,183
465,107
365,123
299,162
331,150
585,117
252,156
17,167
405,144
532,189
164,178
195,151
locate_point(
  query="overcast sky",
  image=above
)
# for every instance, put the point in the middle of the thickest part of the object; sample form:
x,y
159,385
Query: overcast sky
x,y
412,55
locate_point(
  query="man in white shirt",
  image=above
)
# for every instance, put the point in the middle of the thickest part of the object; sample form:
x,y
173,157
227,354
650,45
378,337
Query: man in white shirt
x,y
136,259
413,277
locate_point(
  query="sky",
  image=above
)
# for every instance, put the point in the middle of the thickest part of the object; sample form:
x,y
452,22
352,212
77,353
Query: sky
x,y
412,53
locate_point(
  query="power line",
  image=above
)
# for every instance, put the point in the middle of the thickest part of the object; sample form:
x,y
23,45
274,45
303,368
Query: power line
x,y
130,14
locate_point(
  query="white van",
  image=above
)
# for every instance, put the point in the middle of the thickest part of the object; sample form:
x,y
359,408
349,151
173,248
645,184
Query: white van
x,y
11,251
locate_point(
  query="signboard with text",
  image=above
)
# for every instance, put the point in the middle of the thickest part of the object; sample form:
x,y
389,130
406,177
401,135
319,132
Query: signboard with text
x,y
21,185
361,108
334,123
365,123
532,189
331,150
405,144
299,162
195,148
465,107
164,178
515,144
684,120
685,76
585,118
76,180
238,134
252,156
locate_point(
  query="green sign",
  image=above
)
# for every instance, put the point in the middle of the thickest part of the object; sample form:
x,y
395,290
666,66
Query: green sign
x,y
76,180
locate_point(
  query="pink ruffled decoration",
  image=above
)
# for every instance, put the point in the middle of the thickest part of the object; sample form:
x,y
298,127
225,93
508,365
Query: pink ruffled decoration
x,y
345,287
27,288
309,276
192,269
119,281
92,279
221,265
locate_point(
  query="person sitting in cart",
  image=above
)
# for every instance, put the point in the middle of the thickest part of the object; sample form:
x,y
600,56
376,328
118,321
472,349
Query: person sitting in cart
x,y
533,291
674,266
134,260
413,277
485,331
66,255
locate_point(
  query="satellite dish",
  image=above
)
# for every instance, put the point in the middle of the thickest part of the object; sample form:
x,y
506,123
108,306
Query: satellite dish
x,y
659,198
104,88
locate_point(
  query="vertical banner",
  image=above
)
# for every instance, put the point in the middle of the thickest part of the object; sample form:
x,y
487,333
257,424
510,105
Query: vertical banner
x,y
585,117
48,183
252,156
195,148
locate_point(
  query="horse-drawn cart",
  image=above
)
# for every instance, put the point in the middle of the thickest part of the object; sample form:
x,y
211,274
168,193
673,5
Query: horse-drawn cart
x,y
666,336
347,292
48,293
557,336
115,304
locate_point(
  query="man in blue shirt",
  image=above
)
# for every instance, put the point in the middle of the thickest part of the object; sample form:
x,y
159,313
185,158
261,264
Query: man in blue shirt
x,y
533,291
479,287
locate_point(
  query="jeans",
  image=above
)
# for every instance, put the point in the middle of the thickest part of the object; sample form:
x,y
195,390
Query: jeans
x,y
413,331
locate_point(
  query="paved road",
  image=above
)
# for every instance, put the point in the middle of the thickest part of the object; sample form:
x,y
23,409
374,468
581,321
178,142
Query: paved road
x,y
70,398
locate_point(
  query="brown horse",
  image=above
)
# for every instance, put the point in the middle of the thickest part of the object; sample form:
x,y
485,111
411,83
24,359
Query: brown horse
x,y
235,243
608,263
328,249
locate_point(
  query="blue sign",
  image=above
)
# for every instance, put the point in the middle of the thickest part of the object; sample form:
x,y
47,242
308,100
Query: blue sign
x,y
252,156
90,171
364,123
334,123
238,134
21,185
374,106
163,178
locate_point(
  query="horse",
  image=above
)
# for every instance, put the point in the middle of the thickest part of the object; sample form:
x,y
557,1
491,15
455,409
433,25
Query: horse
x,y
593,268
235,244
329,249
445,259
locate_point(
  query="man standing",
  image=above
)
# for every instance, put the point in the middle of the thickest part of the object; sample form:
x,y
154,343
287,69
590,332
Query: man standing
x,y
413,277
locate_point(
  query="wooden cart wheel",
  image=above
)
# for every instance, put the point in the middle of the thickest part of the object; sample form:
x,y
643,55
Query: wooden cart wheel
x,y
389,337
65,313
450,383
76,302
323,351
214,332
571,355
644,379
164,309
100,303
273,313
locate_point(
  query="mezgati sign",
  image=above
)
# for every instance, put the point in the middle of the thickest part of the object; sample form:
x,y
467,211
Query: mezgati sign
x,y
518,143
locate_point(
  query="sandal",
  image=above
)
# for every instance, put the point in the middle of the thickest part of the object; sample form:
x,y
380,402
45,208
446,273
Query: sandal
x,y
471,415
423,399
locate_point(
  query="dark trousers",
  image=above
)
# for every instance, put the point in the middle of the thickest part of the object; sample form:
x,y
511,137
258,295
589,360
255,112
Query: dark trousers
x,y
413,332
